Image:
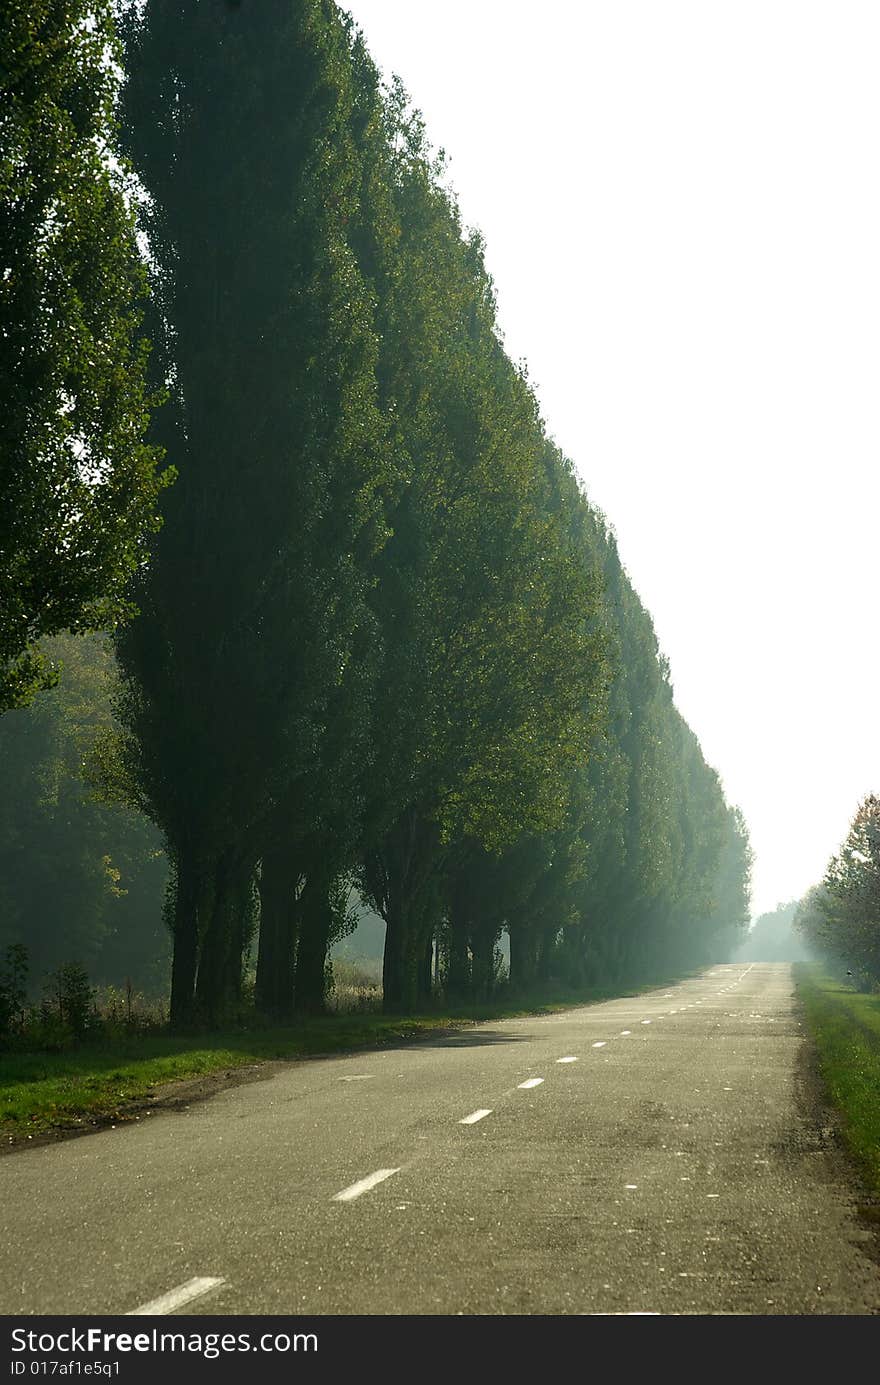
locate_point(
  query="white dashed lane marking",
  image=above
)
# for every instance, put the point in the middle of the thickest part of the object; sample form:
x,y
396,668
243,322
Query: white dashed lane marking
x,y
364,1186
175,1298
194,1288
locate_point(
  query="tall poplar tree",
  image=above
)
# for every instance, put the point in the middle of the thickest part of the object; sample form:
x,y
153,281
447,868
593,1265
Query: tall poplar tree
x,y
244,676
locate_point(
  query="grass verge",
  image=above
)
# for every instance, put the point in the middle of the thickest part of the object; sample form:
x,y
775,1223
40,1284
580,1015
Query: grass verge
x,y
845,1027
102,1082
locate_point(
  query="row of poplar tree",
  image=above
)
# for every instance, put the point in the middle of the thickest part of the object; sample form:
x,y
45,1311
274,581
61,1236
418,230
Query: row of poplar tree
x,y
382,638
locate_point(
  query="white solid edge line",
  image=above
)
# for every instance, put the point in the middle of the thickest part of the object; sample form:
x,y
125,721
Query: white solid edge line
x,y
364,1185
475,1116
530,1082
175,1298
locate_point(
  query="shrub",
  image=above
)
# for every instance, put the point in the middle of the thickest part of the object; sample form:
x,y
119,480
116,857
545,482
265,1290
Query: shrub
x,y
69,997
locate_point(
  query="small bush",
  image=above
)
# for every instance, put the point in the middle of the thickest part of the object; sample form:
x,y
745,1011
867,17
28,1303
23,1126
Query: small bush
x,y
69,997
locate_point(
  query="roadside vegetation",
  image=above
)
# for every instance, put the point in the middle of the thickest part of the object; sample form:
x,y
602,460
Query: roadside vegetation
x,y
839,919
845,1026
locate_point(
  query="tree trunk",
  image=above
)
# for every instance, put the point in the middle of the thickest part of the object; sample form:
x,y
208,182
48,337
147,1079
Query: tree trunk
x,y
186,945
547,952
523,955
241,904
403,967
458,978
483,947
409,860
413,963
314,936
212,984
392,959
276,957
425,991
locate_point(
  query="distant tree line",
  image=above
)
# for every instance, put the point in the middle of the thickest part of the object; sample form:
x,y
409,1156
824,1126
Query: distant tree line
x,y
383,640
839,919
772,938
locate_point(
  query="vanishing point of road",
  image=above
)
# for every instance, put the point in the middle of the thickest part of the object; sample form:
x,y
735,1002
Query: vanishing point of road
x,y
662,1153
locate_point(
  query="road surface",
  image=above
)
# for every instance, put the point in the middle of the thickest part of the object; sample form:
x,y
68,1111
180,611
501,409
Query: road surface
x,y
662,1153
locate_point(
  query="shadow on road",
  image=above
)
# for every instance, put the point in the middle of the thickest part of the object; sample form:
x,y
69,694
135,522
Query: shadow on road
x,y
485,1036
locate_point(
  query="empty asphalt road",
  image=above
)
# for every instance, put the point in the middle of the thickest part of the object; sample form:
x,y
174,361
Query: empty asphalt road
x,y
661,1153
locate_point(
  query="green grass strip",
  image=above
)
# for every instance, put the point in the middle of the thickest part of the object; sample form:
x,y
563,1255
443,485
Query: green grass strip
x,y
846,1029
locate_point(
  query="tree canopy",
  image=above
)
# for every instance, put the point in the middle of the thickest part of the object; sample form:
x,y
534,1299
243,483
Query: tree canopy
x,y
78,482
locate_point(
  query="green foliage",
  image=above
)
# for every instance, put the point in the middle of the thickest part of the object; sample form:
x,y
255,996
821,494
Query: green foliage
x,y
78,484
69,999
840,918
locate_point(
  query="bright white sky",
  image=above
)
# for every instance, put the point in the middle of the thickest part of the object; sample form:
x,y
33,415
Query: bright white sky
x,y
682,215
